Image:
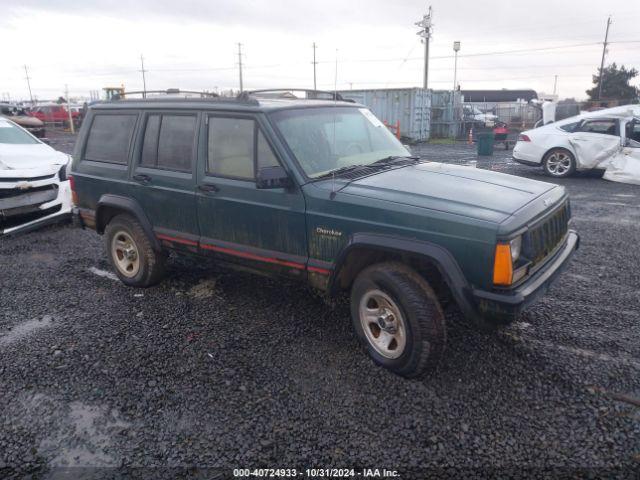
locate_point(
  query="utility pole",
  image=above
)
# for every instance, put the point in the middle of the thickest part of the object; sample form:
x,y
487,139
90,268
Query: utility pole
x,y
240,65
425,33
26,71
144,80
314,66
604,52
66,95
555,85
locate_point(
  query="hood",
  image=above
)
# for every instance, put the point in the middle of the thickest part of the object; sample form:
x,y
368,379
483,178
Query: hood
x,y
466,191
26,121
27,157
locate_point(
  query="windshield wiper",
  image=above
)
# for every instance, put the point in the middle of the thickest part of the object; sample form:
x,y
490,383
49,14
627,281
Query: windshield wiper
x,y
393,159
341,170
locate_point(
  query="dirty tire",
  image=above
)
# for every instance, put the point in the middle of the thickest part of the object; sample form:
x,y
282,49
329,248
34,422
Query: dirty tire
x,y
559,163
425,334
151,264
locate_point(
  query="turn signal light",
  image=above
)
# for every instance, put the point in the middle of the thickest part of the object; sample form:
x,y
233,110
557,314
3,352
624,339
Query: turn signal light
x,y
503,265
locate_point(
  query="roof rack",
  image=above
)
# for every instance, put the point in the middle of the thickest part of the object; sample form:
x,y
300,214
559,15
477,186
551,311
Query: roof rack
x,y
168,91
311,94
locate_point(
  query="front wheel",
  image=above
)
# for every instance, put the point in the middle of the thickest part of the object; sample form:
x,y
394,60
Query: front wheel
x,y
398,319
559,163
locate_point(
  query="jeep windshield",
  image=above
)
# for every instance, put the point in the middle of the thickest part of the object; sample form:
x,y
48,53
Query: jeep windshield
x,y
336,139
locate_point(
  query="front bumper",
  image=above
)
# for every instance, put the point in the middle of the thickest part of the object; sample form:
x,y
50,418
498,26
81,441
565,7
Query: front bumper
x,y
47,200
504,306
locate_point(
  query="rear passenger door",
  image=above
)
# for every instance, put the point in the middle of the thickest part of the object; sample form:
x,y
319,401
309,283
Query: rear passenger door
x,y
261,228
163,175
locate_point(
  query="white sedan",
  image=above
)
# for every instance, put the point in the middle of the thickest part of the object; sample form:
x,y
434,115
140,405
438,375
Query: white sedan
x,y
34,187
585,142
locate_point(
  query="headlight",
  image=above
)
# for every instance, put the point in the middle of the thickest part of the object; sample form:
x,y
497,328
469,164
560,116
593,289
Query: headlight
x,y
63,172
516,248
506,255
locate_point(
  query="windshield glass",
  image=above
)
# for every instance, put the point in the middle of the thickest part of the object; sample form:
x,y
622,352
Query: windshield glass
x,y
325,139
9,133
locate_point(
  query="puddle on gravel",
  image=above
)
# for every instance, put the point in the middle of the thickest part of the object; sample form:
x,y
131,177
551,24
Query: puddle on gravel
x,y
75,434
103,273
25,329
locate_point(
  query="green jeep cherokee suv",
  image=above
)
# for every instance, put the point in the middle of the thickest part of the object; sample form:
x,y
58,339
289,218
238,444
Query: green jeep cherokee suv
x,y
319,191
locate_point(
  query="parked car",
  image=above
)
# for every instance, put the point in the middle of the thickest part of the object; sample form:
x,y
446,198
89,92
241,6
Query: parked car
x,y
18,115
321,192
55,113
471,113
34,188
585,142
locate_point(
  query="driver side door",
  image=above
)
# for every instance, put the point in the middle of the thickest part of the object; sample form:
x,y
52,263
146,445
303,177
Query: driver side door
x,y
625,165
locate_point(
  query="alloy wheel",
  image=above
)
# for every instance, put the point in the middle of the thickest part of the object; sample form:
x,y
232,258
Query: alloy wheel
x,y
383,324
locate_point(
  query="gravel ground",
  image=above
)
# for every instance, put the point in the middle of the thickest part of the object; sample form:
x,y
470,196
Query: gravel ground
x,y
217,369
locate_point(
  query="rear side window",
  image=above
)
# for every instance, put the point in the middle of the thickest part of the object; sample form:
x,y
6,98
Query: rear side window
x,y
236,146
168,142
109,138
605,127
569,127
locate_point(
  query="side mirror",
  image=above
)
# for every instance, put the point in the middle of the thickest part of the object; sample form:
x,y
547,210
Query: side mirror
x,y
273,177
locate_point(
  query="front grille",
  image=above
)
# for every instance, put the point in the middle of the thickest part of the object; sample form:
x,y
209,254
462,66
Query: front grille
x,y
17,192
543,238
26,179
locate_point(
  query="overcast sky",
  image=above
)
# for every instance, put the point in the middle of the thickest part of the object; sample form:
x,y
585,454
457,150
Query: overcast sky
x,y
192,44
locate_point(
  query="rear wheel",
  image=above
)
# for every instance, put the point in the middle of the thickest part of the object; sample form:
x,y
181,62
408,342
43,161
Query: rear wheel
x,y
559,163
398,318
131,254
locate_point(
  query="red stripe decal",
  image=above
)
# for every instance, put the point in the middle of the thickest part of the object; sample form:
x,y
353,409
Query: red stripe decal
x,y
322,271
252,256
177,240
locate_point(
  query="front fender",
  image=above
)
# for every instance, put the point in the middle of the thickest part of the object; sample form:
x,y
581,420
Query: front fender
x,y
436,254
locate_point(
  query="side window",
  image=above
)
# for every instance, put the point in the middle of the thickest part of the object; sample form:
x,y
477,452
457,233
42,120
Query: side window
x,y
168,142
231,147
570,127
109,138
266,157
605,127
149,155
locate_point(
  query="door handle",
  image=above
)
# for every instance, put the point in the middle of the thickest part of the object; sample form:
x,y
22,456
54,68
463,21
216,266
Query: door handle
x,y
208,187
142,178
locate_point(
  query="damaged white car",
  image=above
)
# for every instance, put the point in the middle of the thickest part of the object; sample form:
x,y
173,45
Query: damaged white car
x,y
34,188
606,140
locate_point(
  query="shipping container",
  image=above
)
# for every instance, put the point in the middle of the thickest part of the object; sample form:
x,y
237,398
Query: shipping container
x,y
410,108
